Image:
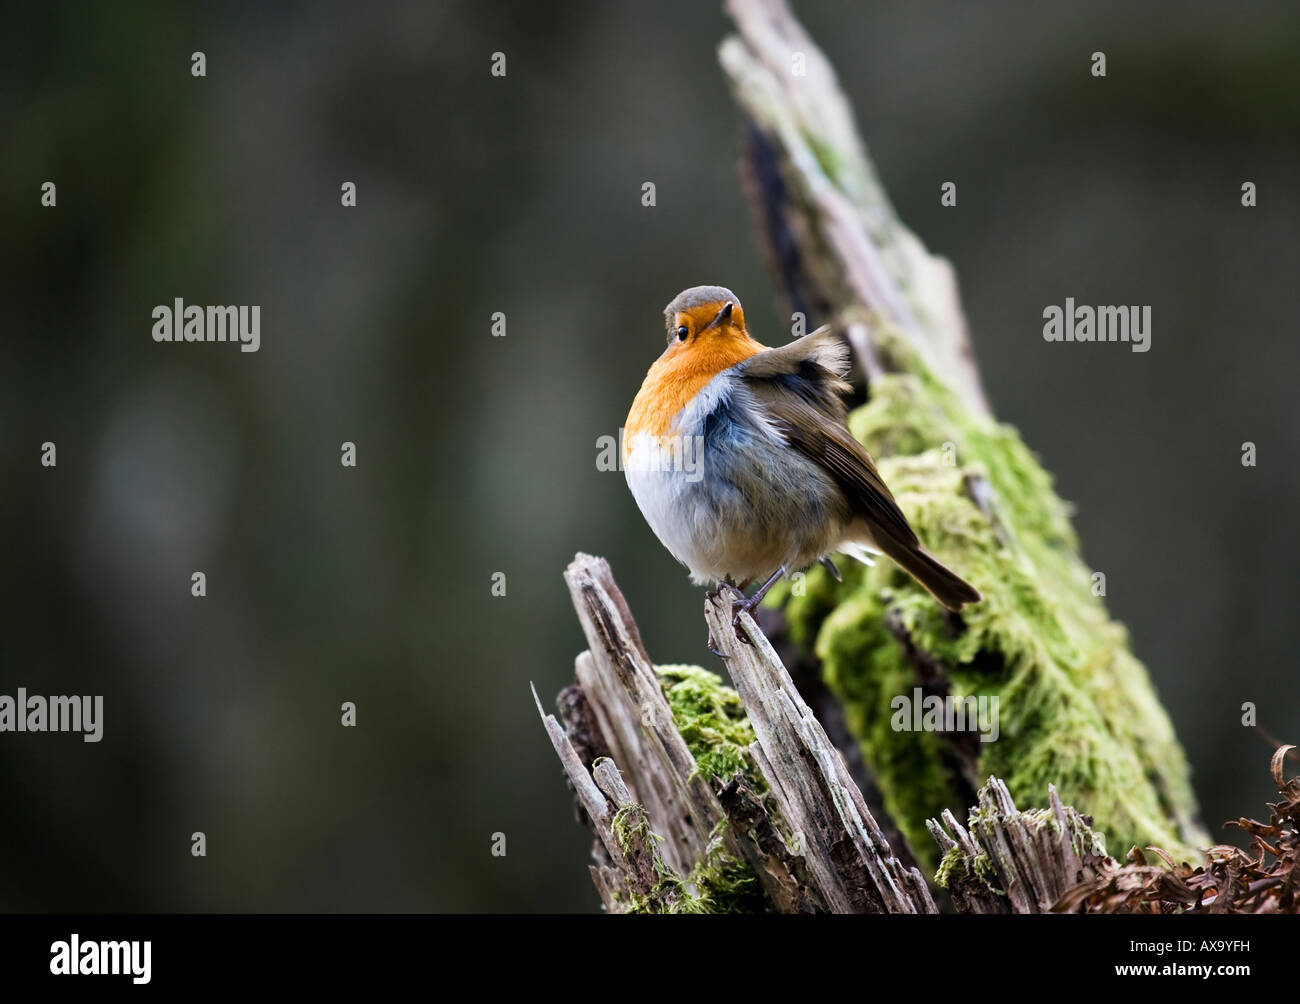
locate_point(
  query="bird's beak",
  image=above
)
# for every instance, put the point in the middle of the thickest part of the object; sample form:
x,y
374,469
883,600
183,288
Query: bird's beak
x,y
723,316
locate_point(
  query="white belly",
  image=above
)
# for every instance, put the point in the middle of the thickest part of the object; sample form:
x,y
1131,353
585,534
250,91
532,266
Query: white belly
x,y
663,491
744,509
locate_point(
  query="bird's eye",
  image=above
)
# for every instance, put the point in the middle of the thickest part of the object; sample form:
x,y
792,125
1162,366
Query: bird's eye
x,y
682,332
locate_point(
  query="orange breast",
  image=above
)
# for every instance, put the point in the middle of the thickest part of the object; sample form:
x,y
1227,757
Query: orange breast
x,y
676,377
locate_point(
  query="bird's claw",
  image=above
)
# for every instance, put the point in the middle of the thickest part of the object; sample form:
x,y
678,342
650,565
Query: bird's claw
x,y
745,605
740,604
737,594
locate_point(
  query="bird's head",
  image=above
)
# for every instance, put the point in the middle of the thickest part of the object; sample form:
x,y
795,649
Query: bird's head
x,y
705,321
706,335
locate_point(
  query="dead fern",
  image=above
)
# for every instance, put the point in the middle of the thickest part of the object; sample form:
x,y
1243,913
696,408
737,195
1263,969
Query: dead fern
x,y
1265,879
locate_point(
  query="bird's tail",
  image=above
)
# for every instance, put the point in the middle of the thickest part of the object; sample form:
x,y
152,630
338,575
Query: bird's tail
x,y
940,581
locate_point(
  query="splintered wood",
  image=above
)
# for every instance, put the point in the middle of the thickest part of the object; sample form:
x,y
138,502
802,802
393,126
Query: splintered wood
x,y
810,841
1016,862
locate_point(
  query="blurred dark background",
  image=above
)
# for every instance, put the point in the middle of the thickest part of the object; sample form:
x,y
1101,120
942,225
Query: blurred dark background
x,y
477,454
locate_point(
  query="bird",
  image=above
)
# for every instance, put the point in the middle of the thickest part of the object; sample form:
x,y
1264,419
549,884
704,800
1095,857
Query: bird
x,y
740,459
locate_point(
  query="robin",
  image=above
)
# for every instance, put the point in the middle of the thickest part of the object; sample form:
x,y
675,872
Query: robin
x,y
739,458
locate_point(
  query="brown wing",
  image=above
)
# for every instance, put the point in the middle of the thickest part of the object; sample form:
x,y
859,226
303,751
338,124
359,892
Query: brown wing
x,y
798,387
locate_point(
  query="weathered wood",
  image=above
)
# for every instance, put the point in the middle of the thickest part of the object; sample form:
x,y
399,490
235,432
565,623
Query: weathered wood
x,y
812,843
806,672
624,693
811,840
1010,861
783,873
851,862
620,693
593,809
627,871
860,250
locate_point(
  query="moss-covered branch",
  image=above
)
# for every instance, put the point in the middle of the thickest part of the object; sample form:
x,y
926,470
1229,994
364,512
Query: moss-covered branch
x,y
1075,707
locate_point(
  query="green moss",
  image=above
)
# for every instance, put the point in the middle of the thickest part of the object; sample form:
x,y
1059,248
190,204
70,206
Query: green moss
x,y
711,718
862,666
723,884
719,883
957,867
1076,708
631,828
952,868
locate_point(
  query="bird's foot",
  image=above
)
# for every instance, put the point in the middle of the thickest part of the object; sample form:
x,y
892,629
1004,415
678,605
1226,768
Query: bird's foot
x,y
742,604
738,601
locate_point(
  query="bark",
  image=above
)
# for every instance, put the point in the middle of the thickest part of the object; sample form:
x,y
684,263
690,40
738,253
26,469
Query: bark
x,y
807,838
